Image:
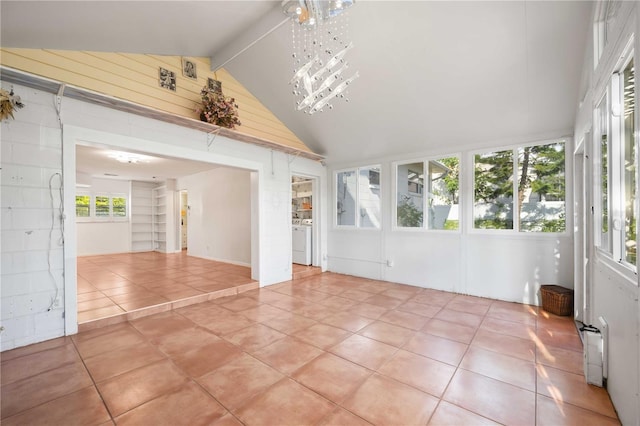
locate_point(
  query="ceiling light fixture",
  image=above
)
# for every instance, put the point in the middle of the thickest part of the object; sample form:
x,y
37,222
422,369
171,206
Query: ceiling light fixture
x,y
127,157
320,43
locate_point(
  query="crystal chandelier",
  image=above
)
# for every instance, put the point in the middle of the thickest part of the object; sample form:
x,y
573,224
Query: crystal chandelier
x,y
320,43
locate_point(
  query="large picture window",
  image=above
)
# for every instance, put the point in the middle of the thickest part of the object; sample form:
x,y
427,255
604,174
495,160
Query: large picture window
x,y
358,197
536,174
429,186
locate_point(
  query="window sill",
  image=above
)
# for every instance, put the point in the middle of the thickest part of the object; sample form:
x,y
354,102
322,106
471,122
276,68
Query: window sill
x,y
99,220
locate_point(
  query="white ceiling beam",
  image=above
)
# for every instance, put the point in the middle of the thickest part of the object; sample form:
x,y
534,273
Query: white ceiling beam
x,y
270,22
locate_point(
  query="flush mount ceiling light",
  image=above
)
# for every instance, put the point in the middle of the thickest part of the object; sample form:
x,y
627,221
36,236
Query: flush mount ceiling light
x,y
127,157
320,43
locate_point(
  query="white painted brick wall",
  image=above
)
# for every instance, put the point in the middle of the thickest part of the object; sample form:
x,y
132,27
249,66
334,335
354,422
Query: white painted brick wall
x,y
31,153
32,262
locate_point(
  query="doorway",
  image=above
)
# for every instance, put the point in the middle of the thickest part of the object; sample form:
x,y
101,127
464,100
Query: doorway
x,y
100,156
583,227
305,227
184,218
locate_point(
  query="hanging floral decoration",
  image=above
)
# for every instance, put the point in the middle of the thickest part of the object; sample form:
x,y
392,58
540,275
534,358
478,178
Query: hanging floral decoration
x,y
8,103
218,109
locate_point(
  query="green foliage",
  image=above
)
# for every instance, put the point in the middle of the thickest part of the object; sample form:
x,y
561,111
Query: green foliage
x,y
452,179
494,223
631,247
493,185
494,176
541,171
547,168
604,173
119,205
451,225
408,214
102,206
82,205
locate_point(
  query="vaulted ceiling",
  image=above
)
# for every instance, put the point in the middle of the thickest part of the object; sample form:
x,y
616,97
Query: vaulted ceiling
x,y
434,76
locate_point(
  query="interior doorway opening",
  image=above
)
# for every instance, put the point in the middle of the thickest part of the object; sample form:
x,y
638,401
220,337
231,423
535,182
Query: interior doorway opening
x,y
304,226
184,219
302,220
137,260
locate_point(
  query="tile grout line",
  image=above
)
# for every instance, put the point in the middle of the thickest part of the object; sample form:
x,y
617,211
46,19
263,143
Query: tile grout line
x,y
95,386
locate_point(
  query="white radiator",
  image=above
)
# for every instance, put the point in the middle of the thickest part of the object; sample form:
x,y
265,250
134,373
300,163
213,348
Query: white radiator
x,y
595,353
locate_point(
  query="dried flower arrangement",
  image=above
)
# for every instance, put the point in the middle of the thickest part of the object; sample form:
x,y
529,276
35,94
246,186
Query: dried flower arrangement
x,y
218,109
8,103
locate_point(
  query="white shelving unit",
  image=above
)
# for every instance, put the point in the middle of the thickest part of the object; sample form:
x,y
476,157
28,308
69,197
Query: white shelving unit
x,y
302,201
160,218
141,217
164,217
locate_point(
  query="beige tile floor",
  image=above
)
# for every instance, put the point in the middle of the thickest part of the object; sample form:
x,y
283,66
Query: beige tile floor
x,y
115,284
327,349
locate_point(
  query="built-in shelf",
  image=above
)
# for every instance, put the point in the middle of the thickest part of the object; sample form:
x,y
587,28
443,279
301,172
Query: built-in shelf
x,y
160,218
301,195
141,216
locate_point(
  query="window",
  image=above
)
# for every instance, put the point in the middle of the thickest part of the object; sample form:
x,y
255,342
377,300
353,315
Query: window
x,y
602,150
536,174
83,203
119,205
358,197
346,194
441,201
630,169
606,15
410,202
616,177
541,188
493,190
102,206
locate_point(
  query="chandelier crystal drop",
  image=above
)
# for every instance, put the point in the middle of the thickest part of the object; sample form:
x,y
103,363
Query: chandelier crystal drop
x,y
320,43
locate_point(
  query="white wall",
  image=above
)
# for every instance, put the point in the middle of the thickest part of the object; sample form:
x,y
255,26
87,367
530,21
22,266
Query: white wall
x,y
614,290
105,236
32,148
32,262
501,265
219,214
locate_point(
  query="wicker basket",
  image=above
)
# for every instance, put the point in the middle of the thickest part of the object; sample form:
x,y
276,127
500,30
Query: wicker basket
x,y
557,300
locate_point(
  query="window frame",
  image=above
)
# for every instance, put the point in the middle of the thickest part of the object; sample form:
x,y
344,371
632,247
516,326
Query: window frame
x,y
613,89
89,205
426,189
357,223
110,217
515,231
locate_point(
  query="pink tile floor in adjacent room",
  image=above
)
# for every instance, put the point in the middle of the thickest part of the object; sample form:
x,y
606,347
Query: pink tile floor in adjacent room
x,y
327,349
113,285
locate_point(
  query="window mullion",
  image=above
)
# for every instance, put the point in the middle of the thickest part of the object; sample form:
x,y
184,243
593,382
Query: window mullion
x,y
426,195
516,195
357,206
617,162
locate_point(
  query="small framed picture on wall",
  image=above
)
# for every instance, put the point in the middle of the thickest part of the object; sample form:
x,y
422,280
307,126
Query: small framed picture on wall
x,y
189,69
214,85
167,79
